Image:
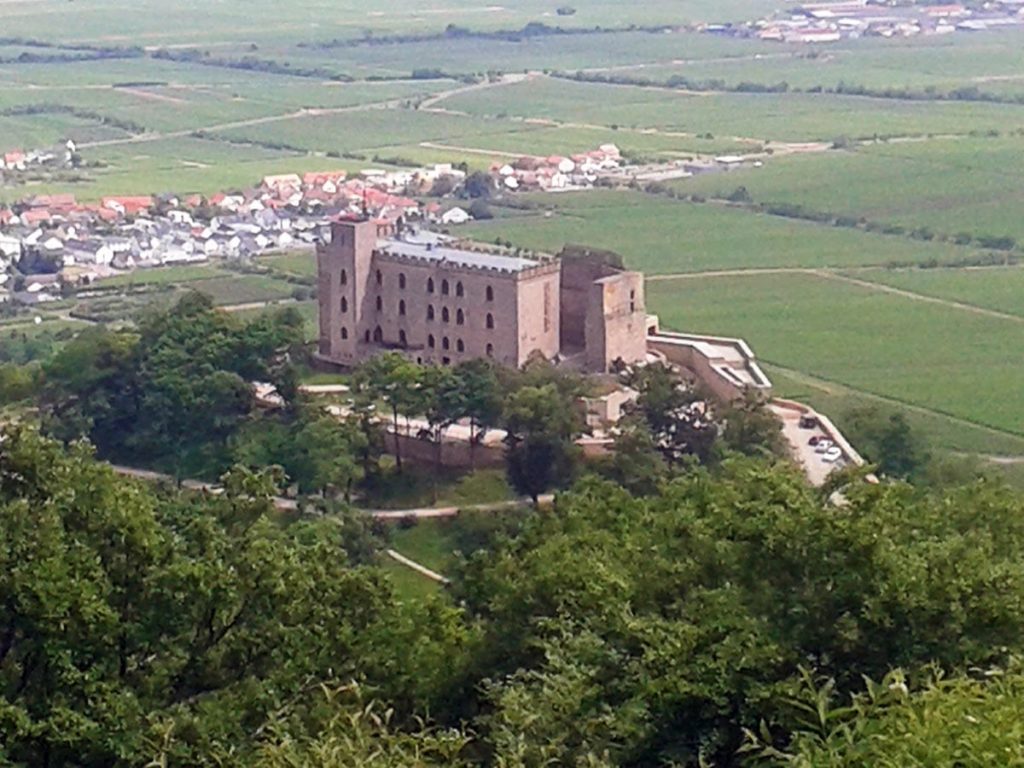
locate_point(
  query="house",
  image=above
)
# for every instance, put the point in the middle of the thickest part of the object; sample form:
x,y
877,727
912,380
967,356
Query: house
x,y
10,247
455,216
128,206
14,161
275,183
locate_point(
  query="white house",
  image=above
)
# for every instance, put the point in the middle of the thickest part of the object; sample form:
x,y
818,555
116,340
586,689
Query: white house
x,y
455,216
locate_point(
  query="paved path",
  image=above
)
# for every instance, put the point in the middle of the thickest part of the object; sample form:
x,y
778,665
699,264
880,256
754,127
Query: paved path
x,y
290,505
420,569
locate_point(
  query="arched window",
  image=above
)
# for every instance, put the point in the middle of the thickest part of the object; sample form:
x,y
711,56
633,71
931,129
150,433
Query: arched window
x,y
344,277
459,345
380,303
401,307
344,332
459,290
401,280
490,350
460,317
430,312
444,287
366,336
430,285
344,304
380,278
403,339
490,293
378,335
430,341
445,344
632,301
445,317
490,321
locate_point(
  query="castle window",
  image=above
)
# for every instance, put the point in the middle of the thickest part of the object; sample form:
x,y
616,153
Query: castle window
x,y
430,285
344,277
380,278
460,317
366,336
344,332
444,287
446,361
490,350
378,334
401,280
401,307
490,293
445,344
445,317
344,304
403,339
430,312
380,304
490,321
430,341
632,301
459,290
459,345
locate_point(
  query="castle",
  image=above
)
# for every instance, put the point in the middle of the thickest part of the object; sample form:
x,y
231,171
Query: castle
x,y
382,286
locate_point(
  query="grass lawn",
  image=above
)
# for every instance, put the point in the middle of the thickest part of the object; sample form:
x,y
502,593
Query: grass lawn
x,y
660,235
164,276
949,361
241,289
415,488
301,263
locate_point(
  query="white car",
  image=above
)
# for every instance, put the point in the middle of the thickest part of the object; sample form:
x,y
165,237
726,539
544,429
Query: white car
x,y
823,445
832,455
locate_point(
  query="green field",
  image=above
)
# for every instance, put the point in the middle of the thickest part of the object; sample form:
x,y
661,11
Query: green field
x,y
790,117
949,361
660,235
967,185
997,289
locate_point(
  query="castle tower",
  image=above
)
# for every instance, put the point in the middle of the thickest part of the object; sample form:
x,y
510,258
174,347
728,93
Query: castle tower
x,y
344,268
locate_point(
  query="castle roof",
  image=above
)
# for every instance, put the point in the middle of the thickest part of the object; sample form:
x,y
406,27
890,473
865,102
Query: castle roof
x,y
432,249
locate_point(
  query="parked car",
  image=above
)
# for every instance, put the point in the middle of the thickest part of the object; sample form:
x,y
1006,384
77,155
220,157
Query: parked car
x,y
808,422
814,440
832,455
823,445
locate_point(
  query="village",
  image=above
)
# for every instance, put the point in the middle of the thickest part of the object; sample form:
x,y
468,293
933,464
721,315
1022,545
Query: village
x,y
51,240
831,22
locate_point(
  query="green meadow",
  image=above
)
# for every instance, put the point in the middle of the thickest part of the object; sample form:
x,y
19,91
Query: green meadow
x,y
660,235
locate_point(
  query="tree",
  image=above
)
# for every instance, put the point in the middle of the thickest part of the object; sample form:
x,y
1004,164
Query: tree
x,y
444,403
481,390
973,722
396,381
646,631
682,421
635,462
541,426
886,439
478,185
750,427
125,614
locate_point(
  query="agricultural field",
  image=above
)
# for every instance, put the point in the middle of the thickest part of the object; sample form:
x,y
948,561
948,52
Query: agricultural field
x,y
997,289
659,235
948,361
951,185
766,116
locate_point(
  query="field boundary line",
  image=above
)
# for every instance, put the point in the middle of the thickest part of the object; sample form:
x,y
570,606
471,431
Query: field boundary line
x,y
952,304
824,383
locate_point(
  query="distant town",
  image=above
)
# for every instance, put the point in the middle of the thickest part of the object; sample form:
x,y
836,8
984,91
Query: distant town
x,y
851,19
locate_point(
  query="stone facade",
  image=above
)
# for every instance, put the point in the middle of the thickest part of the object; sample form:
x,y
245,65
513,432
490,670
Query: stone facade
x,y
380,289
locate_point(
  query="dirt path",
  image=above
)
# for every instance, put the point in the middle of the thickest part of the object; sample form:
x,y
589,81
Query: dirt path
x,y
420,569
428,103
972,308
